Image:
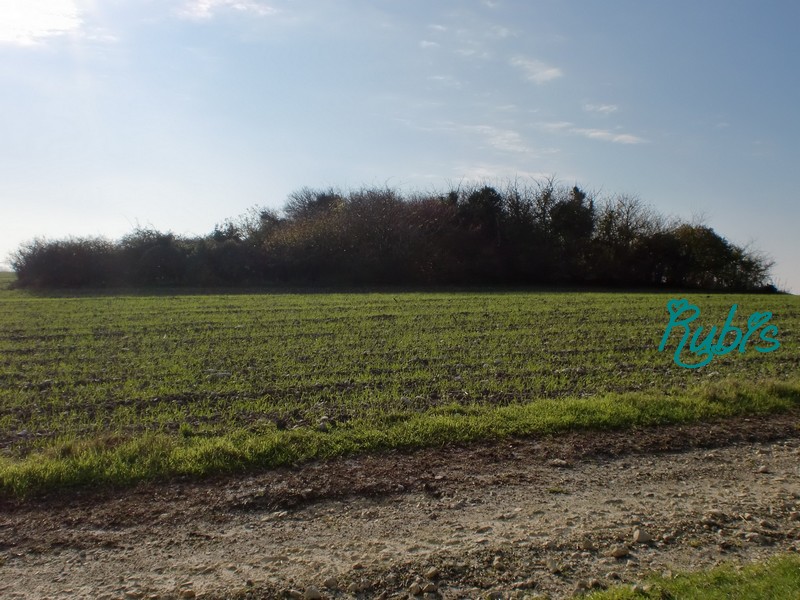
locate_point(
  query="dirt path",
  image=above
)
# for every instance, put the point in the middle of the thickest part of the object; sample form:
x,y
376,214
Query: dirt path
x,y
516,518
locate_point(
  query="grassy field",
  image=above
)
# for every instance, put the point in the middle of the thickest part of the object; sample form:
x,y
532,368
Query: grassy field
x,y
778,578
118,388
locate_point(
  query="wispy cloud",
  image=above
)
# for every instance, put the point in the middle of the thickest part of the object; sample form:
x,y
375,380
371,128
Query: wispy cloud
x,y
604,109
498,174
536,70
609,136
555,126
206,9
505,140
594,134
428,44
29,22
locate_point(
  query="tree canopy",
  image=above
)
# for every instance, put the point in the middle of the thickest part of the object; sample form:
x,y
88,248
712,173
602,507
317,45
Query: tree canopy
x,y
540,233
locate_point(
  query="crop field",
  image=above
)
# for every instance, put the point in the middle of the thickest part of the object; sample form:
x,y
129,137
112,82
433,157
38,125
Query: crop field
x,y
118,388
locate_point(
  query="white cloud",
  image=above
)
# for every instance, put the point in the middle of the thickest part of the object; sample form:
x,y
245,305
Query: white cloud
x,y
428,44
536,70
100,35
436,27
604,109
499,174
207,9
609,136
473,52
505,140
592,134
555,126
30,22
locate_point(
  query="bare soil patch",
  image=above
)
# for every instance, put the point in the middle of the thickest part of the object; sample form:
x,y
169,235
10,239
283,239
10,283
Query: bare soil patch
x,y
515,518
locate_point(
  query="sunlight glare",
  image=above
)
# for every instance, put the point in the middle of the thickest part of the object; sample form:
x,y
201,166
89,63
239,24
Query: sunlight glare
x,y
28,22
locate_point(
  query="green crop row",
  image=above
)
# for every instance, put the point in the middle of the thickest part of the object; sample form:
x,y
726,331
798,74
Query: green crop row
x,y
125,387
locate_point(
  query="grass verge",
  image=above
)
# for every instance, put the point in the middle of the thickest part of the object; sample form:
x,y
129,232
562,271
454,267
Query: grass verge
x,y
115,460
776,578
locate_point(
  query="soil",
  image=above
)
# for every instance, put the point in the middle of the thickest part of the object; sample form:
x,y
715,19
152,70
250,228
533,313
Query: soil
x,y
518,518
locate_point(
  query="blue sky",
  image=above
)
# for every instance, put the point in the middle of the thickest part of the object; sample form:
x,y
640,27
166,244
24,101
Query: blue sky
x,y
178,114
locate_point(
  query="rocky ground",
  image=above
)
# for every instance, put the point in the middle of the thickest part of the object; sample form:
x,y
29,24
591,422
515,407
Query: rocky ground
x,y
547,517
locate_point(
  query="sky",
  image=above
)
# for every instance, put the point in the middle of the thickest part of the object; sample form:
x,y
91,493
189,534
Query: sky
x,y
179,114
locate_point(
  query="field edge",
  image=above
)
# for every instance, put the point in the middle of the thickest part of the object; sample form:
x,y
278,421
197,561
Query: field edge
x,y
114,461
777,577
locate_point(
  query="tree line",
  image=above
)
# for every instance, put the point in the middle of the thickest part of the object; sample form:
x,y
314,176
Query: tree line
x,y
538,233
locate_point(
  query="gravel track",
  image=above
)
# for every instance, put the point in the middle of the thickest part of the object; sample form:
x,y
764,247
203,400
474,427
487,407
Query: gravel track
x,y
511,519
